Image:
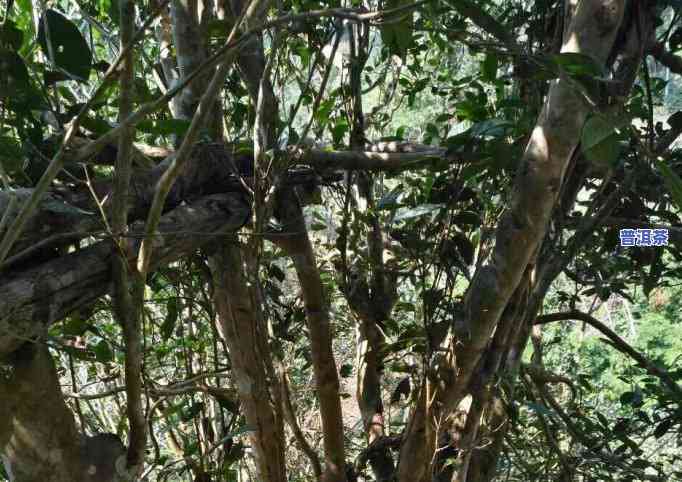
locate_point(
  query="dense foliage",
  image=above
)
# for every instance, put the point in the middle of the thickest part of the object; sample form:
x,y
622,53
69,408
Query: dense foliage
x,y
316,243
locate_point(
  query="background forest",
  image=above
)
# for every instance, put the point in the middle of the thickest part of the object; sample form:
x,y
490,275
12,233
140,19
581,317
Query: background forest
x,y
340,241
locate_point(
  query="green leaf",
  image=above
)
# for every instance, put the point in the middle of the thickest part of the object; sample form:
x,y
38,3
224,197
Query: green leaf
x,y
633,398
467,218
102,351
431,130
276,272
51,77
398,35
10,36
663,427
491,128
473,11
576,64
64,208
675,120
323,111
672,181
597,129
339,131
303,51
390,199
538,409
417,211
218,28
489,67
228,404
96,125
171,318
602,420
599,140
75,326
13,75
110,8
192,411
346,370
71,52
465,248
11,154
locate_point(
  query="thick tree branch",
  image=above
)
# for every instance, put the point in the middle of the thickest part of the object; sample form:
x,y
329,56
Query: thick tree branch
x,y
38,435
33,299
239,327
369,161
592,31
297,245
29,207
174,170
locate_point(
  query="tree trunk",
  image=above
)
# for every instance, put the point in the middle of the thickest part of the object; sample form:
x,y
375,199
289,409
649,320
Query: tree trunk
x,y
591,29
297,245
240,328
38,435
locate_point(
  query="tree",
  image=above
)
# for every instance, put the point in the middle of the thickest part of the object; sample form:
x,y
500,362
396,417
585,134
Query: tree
x,y
158,180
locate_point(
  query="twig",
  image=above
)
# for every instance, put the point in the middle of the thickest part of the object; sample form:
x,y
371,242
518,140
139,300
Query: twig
x,y
617,342
127,304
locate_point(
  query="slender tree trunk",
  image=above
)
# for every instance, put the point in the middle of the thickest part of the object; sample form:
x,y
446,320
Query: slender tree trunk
x,y
242,332
372,306
298,246
128,287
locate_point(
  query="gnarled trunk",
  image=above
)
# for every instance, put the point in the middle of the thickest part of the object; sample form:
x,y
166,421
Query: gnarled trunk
x,y
38,435
591,30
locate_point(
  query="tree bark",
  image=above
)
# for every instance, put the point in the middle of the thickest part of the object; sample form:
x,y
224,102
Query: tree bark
x,y
73,214
297,245
38,435
590,30
241,330
32,299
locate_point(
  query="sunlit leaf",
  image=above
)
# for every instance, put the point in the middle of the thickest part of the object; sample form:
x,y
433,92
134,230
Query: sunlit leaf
x,y
408,213
599,140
